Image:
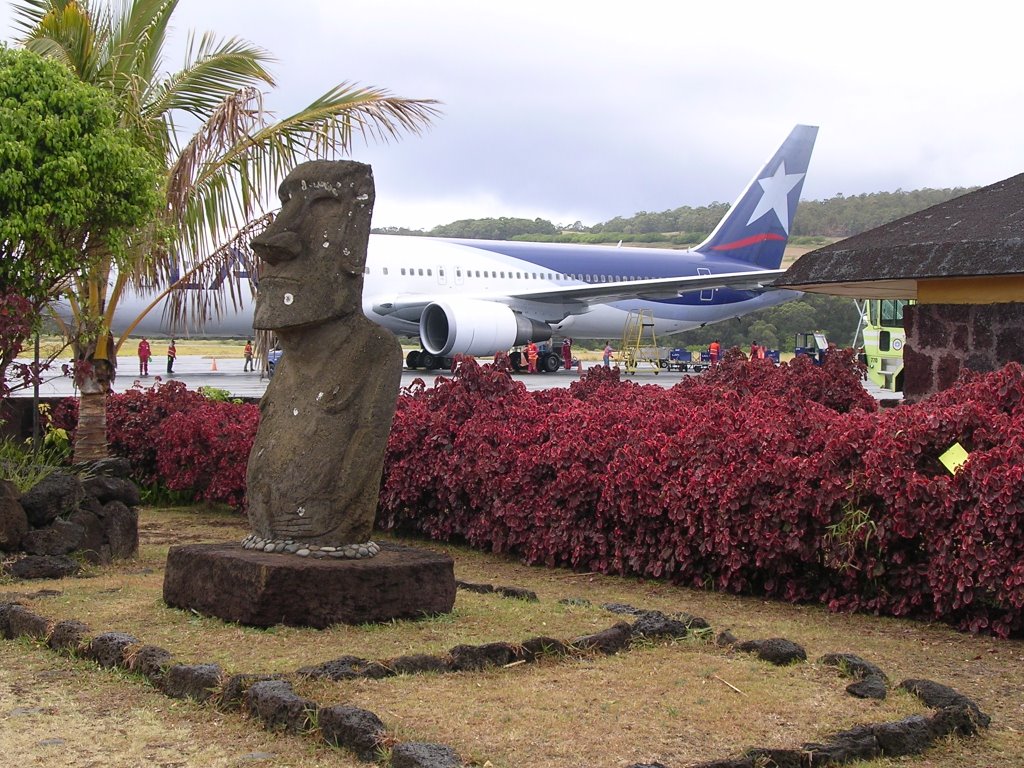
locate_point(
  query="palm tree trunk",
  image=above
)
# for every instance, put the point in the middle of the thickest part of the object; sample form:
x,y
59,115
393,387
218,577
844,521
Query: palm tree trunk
x,y
94,375
91,435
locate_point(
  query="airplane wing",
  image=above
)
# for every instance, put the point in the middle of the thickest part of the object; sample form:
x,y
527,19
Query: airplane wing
x,y
408,307
654,288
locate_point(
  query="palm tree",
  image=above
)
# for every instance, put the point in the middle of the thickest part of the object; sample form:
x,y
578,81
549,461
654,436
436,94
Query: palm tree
x,y
219,175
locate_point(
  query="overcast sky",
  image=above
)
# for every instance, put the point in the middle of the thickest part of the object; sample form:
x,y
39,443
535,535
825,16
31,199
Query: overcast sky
x,y
569,110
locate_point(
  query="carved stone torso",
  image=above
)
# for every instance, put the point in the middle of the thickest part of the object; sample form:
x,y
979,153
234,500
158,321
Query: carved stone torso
x,y
314,470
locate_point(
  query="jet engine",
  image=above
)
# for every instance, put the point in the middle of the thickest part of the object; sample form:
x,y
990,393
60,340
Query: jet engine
x,y
471,327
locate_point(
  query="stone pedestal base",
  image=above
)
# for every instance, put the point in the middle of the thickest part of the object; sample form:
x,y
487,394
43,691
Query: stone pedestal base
x,y
262,589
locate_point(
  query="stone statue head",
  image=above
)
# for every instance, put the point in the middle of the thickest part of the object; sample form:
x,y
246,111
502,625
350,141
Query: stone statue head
x,y
313,253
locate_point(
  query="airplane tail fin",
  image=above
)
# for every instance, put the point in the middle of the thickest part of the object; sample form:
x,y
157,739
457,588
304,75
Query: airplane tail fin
x,y
756,228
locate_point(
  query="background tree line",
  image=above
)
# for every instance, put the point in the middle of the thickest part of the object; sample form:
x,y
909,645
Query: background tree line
x,y
836,217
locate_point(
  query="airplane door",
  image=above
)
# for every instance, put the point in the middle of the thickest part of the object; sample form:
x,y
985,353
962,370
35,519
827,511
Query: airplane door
x,y
459,280
441,279
708,294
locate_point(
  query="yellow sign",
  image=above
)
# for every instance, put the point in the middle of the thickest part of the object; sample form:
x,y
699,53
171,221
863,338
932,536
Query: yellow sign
x,y
954,458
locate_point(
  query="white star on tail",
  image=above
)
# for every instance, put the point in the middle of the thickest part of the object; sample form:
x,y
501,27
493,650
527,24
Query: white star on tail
x,y
776,195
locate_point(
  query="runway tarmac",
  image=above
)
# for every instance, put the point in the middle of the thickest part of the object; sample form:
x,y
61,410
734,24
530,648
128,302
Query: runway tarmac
x,y
196,371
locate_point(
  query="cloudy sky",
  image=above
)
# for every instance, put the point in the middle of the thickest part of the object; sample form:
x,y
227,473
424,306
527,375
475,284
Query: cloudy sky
x,y
570,110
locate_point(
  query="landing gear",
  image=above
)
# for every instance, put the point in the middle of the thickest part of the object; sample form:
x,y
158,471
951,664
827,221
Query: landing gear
x,y
550,362
428,362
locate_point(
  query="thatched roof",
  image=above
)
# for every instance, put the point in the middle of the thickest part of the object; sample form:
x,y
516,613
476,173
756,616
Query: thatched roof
x,y
980,234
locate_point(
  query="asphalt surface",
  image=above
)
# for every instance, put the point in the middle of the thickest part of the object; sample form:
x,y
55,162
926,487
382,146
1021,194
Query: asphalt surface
x,y
196,371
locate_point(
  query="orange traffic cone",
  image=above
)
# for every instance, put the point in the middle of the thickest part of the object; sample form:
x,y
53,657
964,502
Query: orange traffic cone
x,y
214,366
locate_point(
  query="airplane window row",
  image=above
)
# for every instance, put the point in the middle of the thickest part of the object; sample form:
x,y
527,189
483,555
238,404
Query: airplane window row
x,y
587,278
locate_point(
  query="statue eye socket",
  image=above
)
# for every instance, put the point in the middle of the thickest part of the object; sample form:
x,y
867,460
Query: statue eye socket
x,y
319,202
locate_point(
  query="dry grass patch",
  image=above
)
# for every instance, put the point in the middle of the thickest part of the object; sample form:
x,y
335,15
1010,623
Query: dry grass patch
x,y
56,711
670,702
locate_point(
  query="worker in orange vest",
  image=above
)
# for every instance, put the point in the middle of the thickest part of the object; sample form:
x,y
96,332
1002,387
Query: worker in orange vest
x,y
531,356
714,349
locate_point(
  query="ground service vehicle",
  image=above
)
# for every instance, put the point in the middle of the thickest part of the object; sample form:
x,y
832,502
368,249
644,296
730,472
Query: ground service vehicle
x,y
884,337
685,360
813,345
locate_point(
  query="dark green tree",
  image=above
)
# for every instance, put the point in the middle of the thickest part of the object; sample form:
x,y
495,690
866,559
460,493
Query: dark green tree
x,y
73,186
503,228
71,181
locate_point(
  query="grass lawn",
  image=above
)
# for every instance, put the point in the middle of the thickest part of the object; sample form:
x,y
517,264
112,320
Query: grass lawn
x,y
675,702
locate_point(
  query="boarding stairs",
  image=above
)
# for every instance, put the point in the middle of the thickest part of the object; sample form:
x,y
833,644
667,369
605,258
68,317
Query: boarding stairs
x,y
639,345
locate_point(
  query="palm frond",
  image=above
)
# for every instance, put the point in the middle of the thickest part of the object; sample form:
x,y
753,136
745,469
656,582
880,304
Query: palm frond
x,y
138,35
224,174
213,71
226,126
224,188
226,268
65,31
28,14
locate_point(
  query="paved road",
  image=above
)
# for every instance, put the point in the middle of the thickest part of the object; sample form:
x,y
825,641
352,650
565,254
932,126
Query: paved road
x,y
196,371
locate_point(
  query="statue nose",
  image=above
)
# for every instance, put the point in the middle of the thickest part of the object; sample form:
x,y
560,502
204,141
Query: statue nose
x,y
276,247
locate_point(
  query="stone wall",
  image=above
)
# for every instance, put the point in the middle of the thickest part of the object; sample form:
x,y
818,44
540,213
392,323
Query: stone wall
x,y
942,339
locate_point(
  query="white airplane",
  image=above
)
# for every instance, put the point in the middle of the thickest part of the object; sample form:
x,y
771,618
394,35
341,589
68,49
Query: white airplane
x,y
478,297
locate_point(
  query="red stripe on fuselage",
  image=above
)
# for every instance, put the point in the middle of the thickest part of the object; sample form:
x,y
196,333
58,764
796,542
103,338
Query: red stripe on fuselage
x,y
748,241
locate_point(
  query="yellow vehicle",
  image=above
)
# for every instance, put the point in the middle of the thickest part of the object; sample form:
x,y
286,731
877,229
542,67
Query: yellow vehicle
x,y
884,337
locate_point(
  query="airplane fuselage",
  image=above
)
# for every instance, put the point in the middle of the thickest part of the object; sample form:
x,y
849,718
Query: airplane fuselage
x,y
502,270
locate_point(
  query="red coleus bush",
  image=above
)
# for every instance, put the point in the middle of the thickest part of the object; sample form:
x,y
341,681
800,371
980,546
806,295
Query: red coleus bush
x,y
205,450
782,481
177,438
17,316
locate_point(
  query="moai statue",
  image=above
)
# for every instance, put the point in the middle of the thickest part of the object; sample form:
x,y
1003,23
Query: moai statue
x,y
314,471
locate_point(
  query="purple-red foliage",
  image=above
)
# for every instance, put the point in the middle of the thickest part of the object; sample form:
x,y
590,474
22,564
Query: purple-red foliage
x,y
205,450
176,436
136,423
782,481
836,383
17,315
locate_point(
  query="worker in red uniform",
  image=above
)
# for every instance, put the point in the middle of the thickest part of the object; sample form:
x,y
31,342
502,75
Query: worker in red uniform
x,y
567,353
144,354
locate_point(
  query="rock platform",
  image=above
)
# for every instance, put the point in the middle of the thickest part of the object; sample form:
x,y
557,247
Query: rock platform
x,y
262,589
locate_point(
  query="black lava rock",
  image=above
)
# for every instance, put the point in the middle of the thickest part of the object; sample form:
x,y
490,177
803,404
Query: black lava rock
x,y
422,755
776,650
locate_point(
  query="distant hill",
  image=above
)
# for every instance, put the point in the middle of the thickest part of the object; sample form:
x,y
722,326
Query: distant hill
x,y
819,221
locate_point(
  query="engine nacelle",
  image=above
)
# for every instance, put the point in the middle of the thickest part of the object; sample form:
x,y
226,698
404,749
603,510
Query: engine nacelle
x,y
472,327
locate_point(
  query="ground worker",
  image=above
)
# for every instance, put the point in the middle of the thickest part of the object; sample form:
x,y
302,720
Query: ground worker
x,y
249,365
531,356
144,355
